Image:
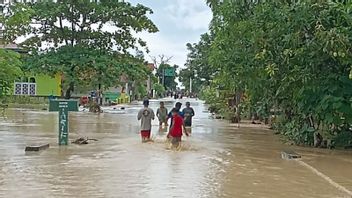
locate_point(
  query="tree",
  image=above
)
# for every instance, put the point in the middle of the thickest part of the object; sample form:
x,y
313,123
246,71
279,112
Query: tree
x,y
162,65
288,56
198,66
161,60
169,82
10,69
159,89
87,41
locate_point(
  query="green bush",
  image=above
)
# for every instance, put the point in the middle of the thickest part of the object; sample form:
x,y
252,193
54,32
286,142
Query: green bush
x,y
23,100
294,130
343,139
159,89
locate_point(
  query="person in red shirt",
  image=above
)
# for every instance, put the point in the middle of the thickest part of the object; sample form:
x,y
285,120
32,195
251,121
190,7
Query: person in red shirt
x,y
176,129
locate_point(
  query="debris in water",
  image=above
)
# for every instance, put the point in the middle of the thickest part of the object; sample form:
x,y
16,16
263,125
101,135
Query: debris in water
x,y
83,140
37,148
289,154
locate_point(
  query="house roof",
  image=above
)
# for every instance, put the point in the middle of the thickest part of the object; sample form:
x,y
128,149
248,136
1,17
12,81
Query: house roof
x,y
151,66
12,46
9,46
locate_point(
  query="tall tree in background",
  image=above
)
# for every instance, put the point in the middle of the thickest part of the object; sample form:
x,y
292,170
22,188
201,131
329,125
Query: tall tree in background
x,y
169,81
162,63
86,41
198,67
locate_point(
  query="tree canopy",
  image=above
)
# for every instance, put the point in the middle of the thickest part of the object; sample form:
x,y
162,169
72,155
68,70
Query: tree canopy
x,y
10,69
291,56
197,65
163,66
87,41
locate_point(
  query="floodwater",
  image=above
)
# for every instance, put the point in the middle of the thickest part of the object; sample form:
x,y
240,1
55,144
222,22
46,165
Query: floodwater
x,y
218,160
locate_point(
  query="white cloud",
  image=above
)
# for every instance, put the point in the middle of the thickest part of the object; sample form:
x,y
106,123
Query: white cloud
x,y
158,44
179,22
193,15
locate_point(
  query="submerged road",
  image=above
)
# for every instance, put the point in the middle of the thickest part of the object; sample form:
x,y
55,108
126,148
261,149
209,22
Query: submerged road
x,y
218,160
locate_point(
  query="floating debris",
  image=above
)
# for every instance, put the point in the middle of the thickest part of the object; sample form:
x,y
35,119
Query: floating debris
x,y
289,154
83,140
37,148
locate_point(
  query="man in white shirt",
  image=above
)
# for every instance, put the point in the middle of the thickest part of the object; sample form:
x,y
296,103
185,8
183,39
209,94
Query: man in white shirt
x,y
146,115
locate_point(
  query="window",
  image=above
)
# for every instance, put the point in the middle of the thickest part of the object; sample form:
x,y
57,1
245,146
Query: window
x,y
32,80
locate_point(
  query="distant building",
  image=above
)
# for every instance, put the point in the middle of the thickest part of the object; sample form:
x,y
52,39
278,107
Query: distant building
x,y
151,67
12,47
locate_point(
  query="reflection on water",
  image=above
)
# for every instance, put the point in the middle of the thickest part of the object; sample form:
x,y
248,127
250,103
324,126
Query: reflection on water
x,y
218,160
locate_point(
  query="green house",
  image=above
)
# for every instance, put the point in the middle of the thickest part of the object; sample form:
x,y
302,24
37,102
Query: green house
x,y
38,85
32,85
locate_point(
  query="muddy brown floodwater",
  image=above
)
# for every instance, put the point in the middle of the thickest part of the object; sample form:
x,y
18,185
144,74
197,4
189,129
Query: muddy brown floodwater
x,y
218,160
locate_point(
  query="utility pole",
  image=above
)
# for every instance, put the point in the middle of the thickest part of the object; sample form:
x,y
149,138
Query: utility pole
x,y
149,86
127,89
164,77
190,85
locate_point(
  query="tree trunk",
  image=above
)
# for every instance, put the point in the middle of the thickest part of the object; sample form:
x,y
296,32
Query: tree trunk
x,y
318,139
69,90
100,95
238,96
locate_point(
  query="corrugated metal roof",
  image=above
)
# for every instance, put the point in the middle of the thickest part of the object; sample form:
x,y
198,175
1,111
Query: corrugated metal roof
x,y
9,46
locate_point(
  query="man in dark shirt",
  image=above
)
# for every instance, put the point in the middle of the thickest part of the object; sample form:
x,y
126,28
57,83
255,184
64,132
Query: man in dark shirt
x,y
188,113
178,106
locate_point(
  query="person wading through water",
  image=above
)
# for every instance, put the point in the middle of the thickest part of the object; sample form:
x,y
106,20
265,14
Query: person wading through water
x,y
176,129
188,113
178,106
161,113
146,115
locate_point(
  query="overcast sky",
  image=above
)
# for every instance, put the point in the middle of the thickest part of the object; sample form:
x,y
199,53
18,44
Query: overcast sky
x,y
179,22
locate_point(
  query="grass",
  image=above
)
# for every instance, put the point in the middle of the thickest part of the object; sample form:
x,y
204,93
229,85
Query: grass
x,y
25,102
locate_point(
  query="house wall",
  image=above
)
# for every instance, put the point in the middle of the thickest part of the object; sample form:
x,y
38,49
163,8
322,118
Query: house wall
x,y
45,84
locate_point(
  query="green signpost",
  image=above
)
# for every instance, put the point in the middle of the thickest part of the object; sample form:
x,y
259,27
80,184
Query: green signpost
x,y
169,72
63,107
